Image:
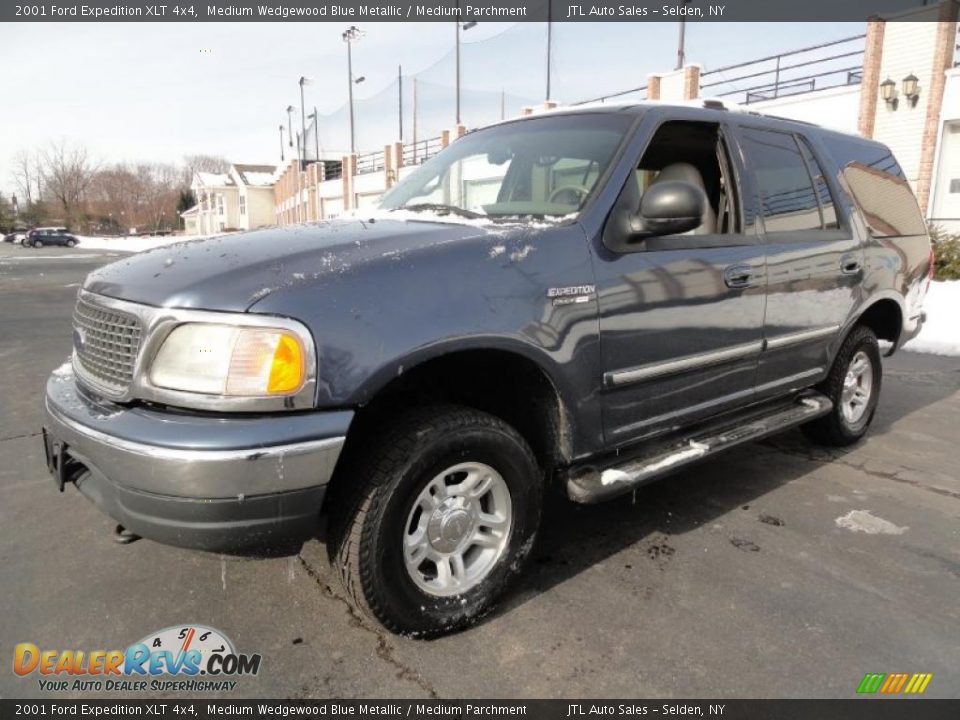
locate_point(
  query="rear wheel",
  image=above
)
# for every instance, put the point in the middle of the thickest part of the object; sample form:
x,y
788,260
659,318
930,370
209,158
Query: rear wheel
x,y
440,515
38,243
854,387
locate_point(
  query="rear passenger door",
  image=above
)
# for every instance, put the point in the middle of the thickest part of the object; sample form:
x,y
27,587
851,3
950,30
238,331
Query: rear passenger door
x,y
814,259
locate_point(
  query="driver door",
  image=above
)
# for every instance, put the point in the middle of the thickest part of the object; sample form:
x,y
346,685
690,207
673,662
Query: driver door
x,y
681,316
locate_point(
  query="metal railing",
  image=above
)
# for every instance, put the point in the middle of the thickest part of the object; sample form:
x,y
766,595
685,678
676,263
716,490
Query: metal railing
x,y
371,162
789,73
422,150
603,98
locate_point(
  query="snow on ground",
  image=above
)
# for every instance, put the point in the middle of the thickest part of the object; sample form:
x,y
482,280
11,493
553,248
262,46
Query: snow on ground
x,y
941,332
132,243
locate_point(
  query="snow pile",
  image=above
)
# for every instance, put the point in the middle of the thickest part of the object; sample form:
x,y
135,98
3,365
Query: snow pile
x,y
941,333
133,243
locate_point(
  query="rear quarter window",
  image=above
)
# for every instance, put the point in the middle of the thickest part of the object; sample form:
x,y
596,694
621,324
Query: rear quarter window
x,y
878,186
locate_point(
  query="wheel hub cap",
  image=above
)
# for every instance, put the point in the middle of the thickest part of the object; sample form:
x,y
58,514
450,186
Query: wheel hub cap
x,y
450,524
458,529
857,388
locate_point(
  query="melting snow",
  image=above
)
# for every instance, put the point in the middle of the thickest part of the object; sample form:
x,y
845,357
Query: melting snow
x,y
863,521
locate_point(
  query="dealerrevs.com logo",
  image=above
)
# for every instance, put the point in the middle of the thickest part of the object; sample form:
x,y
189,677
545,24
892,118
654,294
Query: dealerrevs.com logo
x,y
185,658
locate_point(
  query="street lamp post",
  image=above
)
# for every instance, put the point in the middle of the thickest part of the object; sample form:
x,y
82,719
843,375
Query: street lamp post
x,y
282,158
303,121
466,26
315,118
290,110
350,36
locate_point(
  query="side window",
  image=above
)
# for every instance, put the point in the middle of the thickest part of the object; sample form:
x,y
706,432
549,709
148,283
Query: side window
x,y
789,202
693,152
827,209
874,179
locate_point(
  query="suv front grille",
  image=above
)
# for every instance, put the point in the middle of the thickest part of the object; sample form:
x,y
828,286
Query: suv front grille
x,y
105,344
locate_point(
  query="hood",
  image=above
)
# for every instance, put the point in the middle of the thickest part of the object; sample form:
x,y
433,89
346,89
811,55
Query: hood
x,y
232,272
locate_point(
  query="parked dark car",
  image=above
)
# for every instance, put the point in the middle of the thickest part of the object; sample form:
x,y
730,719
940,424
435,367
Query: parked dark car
x,y
587,300
40,237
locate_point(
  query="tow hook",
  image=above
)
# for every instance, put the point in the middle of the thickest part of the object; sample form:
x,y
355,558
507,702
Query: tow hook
x,y
122,536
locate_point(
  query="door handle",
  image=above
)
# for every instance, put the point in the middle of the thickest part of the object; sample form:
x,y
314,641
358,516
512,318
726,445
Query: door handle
x,y
738,276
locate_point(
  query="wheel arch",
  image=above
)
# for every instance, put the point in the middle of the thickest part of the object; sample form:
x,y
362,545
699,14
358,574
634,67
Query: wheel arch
x,y
507,383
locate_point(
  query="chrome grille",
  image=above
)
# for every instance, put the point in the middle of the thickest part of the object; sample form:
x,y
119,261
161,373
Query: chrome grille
x,y
105,344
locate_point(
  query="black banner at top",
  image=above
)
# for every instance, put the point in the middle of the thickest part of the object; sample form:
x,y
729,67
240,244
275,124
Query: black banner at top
x,y
470,10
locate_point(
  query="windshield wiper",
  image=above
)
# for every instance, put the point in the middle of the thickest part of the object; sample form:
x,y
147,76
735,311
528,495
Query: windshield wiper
x,y
441,209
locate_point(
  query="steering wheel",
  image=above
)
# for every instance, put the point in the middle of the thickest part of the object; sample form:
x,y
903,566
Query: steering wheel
x,y
579,189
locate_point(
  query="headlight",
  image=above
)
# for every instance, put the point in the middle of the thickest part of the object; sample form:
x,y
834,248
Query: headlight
x,y
231,361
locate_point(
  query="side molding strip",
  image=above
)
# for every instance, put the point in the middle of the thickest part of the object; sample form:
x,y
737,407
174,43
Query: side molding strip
x,y
690,362
781,341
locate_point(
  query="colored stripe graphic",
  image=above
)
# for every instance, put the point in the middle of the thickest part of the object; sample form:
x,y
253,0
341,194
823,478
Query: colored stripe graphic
x,y
894,683
871,682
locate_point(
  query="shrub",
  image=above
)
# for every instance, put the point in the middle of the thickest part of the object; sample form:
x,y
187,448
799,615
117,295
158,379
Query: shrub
x,y
946,251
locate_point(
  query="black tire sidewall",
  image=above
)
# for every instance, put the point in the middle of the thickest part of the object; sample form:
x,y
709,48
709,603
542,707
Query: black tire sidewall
x,y
395,592
866,342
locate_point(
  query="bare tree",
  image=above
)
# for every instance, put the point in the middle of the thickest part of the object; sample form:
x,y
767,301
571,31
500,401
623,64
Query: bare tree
x,y
26,175
193,164
67,173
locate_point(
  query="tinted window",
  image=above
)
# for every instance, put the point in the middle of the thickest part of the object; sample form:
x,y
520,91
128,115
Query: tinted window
x,y
878,186
827,211
788,199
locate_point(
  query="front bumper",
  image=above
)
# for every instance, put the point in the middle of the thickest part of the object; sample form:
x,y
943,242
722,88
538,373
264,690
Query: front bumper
x,y
194,480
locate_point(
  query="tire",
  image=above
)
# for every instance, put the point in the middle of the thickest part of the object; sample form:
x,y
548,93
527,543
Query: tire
x,y
854,390
376,522
38,243
70,243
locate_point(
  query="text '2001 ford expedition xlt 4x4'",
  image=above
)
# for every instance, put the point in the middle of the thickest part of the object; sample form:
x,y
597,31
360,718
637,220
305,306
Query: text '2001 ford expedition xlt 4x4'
x,y
588,299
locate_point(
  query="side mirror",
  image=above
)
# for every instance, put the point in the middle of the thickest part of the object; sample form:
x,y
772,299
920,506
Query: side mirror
x,y
667,208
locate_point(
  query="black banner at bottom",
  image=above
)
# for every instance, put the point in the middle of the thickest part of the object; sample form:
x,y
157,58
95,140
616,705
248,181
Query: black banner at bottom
x,y
867,709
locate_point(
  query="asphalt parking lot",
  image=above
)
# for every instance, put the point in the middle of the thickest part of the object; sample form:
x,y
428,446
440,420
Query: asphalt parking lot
x,y
732,579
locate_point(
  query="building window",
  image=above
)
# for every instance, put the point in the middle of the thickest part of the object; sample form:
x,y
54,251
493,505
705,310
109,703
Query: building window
x,y
220,204
955,185
243,204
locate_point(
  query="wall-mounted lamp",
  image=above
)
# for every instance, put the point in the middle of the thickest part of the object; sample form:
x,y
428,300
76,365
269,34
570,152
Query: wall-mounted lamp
x,y
888,91
911,90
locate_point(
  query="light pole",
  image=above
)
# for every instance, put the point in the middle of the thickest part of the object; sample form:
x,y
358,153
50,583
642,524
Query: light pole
x,y
549,42
466,26
290,110
315,118
681,50
303,121
350,36
282,158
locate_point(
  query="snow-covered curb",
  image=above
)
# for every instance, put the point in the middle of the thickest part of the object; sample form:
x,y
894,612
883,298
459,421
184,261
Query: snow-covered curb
x,y
941,333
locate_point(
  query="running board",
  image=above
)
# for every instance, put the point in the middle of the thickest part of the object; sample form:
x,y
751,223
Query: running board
x,y
590,484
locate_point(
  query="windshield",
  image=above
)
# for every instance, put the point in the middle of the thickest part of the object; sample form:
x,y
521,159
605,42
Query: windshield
x,y
545,167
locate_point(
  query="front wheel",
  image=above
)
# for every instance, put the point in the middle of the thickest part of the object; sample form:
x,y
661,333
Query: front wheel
x,y
854,387
440,515
71,243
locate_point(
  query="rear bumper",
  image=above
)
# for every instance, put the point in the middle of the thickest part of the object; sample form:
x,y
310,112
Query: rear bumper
x,y
203,481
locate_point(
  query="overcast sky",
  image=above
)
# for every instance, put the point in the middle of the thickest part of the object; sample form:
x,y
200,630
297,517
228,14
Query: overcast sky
x,y
156,91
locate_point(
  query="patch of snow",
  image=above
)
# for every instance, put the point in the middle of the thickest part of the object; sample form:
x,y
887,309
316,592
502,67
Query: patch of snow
x,y
133,243
497,251
863,521
695,450
941,333
611,476
521,254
